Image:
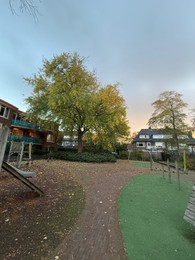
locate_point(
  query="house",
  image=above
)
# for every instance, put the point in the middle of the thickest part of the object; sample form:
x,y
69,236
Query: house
x,y
6,112
22,130
191,145
153,140
70,141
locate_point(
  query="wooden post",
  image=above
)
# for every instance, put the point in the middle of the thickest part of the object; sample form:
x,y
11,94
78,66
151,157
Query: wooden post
x,y
30,154
178,177
184,162
129,151
21,154
163,171
169,170
10,149
151,160
28,151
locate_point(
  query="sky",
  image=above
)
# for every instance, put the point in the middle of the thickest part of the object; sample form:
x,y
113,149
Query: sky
x,y
148,46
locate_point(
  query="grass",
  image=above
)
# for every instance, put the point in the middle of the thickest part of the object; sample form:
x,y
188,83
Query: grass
x,y
151,216
141,164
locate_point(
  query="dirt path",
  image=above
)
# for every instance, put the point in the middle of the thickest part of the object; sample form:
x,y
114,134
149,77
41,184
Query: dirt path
x,y
97,234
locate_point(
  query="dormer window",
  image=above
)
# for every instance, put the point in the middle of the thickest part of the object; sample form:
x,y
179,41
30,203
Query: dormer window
x,y
144,136
4,111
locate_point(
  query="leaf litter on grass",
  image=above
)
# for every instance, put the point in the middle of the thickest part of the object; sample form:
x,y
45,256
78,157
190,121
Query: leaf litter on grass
x,y
33,226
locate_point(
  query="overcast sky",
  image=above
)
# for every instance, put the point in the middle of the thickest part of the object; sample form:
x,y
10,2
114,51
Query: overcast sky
x,y
146,45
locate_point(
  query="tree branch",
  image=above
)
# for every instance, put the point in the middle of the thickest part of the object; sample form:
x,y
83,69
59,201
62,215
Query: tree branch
x,y
27,6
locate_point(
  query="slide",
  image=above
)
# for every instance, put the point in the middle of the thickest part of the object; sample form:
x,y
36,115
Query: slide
x,y
22,176
24,173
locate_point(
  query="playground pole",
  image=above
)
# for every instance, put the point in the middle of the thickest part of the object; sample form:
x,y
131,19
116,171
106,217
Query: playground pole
x,y
184,162
3,142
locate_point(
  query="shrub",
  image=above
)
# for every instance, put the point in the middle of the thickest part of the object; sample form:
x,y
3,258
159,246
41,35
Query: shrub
x,y
40,152
191,163
67,149
82,157
123,155
137,155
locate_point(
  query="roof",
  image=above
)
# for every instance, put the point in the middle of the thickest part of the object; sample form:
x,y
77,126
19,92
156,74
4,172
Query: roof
x,y
151,132
191,140
5,103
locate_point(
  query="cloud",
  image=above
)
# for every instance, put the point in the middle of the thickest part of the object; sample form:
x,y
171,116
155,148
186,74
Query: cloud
x,y
147,46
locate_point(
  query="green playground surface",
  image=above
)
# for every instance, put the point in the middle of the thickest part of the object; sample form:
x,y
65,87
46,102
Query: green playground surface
x,y
151,214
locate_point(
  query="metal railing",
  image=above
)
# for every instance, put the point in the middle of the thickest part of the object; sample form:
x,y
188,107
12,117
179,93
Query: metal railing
x,y
25,124
25,139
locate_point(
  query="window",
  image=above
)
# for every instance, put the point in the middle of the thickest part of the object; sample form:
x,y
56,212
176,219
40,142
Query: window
x,y
4,111
14,117
158,136
159,144
144,136
50,138
140,144
183,137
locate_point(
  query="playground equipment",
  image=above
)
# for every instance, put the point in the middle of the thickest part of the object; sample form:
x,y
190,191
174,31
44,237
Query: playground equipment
x,y
5,120
189,214
21,149
20,176
23,173
4,133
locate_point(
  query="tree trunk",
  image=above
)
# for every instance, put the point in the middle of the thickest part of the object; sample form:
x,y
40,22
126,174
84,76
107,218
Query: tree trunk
x,y
80,141
169,170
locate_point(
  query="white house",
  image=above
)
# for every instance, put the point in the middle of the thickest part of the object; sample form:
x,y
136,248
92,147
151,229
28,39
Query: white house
x,y
154,140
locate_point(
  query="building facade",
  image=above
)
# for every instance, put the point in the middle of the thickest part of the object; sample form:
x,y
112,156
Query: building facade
x,y
154,140
21,130
6,112
70,141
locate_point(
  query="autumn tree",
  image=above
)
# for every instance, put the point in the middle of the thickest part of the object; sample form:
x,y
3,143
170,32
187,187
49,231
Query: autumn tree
x,y
193,119
110,124
169,116
64,92
67,93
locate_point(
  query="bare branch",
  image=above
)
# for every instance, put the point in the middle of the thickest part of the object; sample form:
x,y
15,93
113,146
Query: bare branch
x,y
27,6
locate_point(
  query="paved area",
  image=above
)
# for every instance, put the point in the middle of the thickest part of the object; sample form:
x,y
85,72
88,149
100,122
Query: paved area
x,y
97,235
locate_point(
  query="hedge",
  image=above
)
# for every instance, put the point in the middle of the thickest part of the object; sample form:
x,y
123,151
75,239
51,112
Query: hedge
x,y
82,157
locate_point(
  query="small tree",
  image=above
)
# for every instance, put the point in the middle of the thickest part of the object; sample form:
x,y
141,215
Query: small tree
x,y
169,116
193,119
110,124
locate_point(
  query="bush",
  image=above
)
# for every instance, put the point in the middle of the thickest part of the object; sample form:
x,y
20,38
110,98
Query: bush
x,y
137,155
40,152
67,149
82,157
123,155
191,163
